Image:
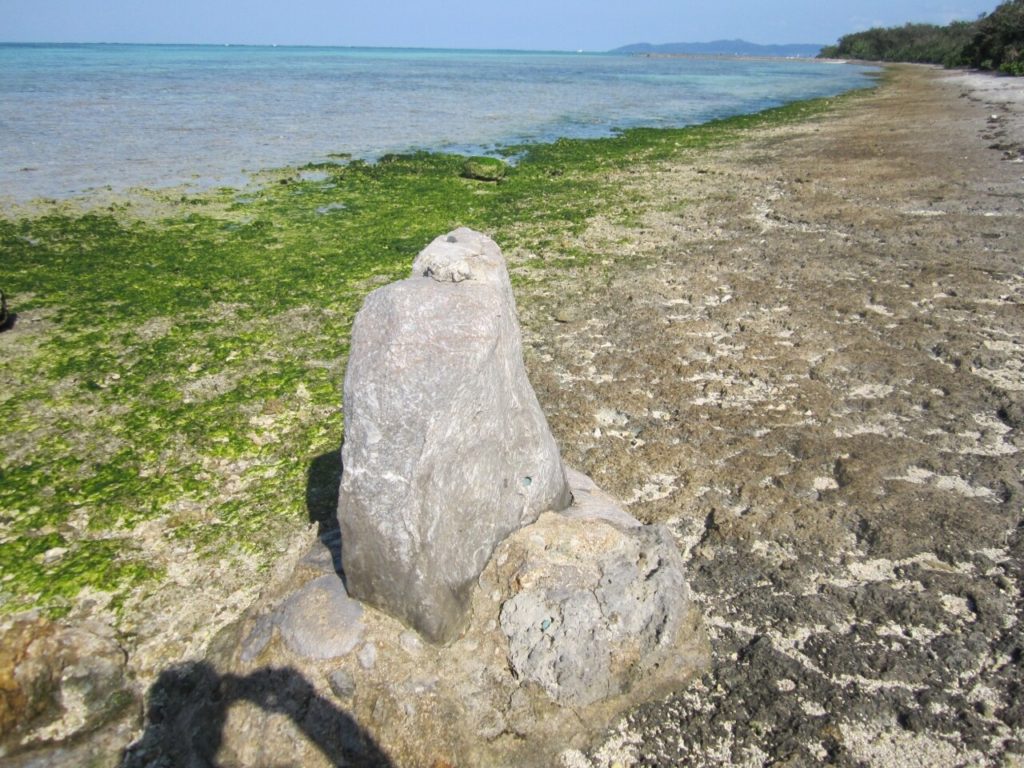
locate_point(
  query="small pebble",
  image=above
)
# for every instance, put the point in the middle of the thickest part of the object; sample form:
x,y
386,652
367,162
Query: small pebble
x,y
367,656
342,684
53,555
410,641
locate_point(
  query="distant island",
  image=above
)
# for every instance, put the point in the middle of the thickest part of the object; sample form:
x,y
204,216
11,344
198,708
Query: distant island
x,y
725,48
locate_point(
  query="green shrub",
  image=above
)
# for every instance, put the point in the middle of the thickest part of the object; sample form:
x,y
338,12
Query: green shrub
x,y
998,40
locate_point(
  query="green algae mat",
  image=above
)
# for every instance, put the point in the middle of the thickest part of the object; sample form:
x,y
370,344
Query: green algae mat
x,y
176,374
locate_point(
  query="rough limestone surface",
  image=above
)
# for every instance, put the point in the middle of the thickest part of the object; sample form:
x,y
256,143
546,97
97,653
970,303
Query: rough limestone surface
x,y
64,699
321,621
575,618
595,607
446,449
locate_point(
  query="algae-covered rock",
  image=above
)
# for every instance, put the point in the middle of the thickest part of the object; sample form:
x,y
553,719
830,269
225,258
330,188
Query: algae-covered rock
x,y
59,683
484,169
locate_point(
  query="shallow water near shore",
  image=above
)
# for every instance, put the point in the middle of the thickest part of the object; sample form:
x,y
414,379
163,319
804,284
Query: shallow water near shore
x,y
79,117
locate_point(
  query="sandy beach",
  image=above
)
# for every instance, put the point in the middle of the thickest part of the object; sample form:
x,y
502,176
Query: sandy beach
x,y
802,352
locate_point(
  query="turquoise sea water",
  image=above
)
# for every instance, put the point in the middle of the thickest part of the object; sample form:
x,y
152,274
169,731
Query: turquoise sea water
x,y
75,117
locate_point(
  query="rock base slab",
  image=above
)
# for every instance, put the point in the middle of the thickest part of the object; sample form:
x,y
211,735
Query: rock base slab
x,y
576,618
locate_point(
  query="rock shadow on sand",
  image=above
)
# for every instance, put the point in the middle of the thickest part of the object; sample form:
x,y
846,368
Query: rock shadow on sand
x,y
323,479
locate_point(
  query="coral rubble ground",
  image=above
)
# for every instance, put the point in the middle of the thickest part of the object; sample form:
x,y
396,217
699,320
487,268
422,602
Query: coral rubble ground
x,y
817,381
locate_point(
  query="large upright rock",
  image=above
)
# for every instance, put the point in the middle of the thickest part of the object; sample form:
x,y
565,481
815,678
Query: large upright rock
x,y
446,449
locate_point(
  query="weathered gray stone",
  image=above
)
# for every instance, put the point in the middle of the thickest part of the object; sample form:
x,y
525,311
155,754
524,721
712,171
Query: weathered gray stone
x,y
342,684
367,656
591,503
321,621
258,637
446,449
595,605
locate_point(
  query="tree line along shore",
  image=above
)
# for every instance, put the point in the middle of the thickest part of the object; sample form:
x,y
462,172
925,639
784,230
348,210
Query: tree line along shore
x,y
993,42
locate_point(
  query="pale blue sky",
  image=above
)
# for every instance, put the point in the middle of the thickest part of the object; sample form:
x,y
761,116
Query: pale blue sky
x,y
591,25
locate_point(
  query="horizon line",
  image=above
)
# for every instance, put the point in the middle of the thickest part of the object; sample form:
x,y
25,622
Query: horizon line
x,y
617,49
305,45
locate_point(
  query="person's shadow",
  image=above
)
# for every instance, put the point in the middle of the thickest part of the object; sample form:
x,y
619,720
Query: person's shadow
x,y
189,703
